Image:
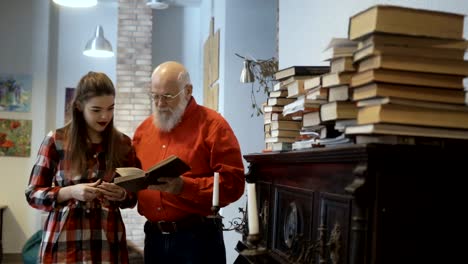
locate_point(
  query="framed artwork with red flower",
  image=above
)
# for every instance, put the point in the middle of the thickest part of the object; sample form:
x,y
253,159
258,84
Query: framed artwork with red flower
x,y
15,137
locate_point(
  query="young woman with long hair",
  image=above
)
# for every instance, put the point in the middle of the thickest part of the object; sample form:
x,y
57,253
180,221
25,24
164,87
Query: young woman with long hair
x,y
72,181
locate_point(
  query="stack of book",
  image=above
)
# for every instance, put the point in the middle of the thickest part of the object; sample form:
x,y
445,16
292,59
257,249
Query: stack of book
x,y
333,94
410,70
308,100
280,131
339,48
287,96
339,110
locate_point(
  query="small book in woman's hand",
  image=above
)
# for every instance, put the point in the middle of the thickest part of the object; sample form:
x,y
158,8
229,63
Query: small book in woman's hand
x,y
135,179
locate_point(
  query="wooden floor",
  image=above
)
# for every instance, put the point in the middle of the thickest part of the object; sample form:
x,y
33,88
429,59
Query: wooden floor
x,y
16,259
12,259
135,257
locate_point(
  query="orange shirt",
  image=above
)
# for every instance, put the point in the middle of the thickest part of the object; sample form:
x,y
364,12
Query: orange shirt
x,y
205,141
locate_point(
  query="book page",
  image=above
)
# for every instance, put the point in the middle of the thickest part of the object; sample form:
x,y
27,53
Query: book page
x,y
163,163
130,171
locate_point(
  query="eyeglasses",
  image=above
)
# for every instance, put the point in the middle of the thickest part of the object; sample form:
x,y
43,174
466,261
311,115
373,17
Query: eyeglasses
x,y
165,97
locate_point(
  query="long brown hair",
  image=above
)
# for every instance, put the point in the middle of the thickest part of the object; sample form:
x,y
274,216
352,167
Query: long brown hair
x,y
91,85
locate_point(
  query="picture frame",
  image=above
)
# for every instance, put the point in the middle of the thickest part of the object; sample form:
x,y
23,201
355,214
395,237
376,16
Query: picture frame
x,y
15,92
15,137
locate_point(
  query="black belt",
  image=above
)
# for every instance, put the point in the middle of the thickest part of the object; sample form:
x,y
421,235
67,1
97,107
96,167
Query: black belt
x,y
186,224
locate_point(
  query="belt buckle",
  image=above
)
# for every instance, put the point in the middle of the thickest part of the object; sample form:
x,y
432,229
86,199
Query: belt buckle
x,y
161,228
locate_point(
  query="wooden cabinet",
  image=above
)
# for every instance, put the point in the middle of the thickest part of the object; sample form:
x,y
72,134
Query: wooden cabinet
x,y
361,204
2,207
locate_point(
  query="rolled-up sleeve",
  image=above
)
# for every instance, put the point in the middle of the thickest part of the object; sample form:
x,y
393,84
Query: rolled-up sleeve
x,y
40,192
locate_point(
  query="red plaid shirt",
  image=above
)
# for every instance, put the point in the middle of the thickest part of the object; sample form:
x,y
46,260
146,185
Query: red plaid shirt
x,y
77,232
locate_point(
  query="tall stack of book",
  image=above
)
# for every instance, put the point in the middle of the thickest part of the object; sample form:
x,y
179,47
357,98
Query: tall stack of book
x,y
281,130
410,70
278,129
308,100
315,91
336,108
339,110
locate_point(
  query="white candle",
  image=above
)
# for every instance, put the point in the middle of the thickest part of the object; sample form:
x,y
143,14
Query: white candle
x,y
252,209
216,189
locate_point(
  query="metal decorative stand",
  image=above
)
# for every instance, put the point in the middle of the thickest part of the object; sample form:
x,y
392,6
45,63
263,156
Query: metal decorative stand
x,y
236,224
217,218
215,215
254,249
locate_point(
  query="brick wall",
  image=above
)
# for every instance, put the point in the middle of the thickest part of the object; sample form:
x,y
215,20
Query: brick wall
x,y
134,58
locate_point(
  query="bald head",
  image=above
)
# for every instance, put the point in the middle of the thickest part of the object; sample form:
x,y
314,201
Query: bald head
x,y
171,72
170,78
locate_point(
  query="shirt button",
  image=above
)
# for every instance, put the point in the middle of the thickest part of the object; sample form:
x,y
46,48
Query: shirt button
x,y
159,208
163,146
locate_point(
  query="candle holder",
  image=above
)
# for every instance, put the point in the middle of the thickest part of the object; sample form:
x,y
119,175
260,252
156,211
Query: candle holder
x,y
217,218
238,224
253,246
215,214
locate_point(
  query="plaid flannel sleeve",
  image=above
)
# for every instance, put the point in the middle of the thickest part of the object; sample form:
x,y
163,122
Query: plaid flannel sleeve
x,y
40,192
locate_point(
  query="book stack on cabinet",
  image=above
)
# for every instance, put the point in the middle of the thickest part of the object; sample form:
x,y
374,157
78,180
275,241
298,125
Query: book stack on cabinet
x,y
283,129
335,108
339,110
409,74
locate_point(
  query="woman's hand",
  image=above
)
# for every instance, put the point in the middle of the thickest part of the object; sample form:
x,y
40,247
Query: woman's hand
x,y
112,192
82,192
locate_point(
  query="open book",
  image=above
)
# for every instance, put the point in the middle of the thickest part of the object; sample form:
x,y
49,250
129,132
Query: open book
x,y
135,179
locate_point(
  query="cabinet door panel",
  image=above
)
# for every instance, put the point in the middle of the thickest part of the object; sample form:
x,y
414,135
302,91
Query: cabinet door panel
x,y
264,211
333,228
292,219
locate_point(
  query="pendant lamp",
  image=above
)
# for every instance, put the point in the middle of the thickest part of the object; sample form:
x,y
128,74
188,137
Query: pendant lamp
x,y
247,75
98,46
157,4
76,3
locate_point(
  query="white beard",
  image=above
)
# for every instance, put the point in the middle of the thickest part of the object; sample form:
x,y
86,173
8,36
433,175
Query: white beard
x,y
166,118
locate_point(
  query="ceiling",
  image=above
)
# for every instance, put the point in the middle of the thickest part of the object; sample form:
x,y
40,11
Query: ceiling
x,y
184,2
191,3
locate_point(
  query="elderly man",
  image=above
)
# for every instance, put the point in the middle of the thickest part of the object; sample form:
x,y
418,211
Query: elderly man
x,y
177,229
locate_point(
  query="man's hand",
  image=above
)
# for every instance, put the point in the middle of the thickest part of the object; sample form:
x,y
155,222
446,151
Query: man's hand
x,y
171,185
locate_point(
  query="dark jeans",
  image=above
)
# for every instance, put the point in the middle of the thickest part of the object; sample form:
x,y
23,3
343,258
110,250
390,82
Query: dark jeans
x,y
201,245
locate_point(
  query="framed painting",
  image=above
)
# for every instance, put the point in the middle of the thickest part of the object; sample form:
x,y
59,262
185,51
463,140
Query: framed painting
x,y
15,137
211,69
15,92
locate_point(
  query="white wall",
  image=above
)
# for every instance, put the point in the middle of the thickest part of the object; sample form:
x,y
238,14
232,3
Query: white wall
x,y
75,27
179,34
192,48
51,52
249,30
16,58
47,41
23,49
247,27
40,39
176,37
306,26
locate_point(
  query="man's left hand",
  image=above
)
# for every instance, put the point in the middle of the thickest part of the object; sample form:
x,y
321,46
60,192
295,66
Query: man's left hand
x,y
172,185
